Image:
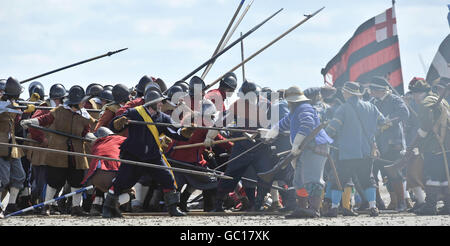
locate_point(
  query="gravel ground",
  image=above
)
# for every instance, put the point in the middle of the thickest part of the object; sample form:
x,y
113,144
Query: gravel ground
x,y
268,220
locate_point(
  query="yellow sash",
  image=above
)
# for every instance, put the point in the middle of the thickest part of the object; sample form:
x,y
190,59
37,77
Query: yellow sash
x,y
155,133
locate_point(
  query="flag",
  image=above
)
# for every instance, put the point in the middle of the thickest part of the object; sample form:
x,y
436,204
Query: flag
x,y
372,51
440,67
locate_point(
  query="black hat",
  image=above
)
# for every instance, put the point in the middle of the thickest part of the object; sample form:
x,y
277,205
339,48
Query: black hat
x,y
152,86
120,93
174,89
229,82
352,88
183,84
36,87
106,95
108,87
153,96
94,89
76,95
140,87
379,83
58,91
247,87
194,82
13,87
162,84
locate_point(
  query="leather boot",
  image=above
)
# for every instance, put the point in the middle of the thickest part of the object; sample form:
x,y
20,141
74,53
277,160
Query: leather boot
x,y
111,207
208,200
172,198
48,210
78,211
96,210
429,208
302,210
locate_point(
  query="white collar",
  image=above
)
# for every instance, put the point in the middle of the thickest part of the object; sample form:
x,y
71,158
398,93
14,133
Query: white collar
x,y
83,112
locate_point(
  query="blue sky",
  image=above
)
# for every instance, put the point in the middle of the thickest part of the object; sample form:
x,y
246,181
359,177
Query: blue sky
x,y
169,38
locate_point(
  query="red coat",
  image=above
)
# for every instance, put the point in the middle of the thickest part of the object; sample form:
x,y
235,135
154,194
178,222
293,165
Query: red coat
x,y
213,95
194,155
108,147
131,104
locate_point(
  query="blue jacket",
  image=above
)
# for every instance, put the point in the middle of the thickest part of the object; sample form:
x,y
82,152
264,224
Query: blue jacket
x,y
346,128
140,141
392,106
303,120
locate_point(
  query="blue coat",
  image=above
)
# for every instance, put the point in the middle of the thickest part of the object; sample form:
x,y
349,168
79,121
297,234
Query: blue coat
x,y
346,128
140,141
303,120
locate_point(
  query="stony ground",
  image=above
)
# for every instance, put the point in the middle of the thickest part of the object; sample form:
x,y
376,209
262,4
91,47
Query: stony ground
x,y
267,220
387,219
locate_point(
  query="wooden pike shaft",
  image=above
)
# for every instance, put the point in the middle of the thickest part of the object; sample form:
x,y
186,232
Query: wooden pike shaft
x,y
208,68
264,48
136,122
50,108
215,142
73,65
144,164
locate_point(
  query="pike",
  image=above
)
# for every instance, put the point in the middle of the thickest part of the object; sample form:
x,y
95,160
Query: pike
x,y
50,108
136,122
228,38
59,133
137,163
242,59
73,65
246,137
222,39
50,201
229,46
241,154
221,173
264,48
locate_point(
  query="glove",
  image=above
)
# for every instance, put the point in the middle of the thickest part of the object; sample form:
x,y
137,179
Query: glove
x,y
120,123
210,136
385,126
187,131
269,134
25,123
296,144
35,97
30,108
165,142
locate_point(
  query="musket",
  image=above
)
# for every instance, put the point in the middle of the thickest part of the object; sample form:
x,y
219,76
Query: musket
x,y
229,46
264,48
27,140
222,39
59,133
136,122
269,175
222,173
73,65
137,163
228,37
